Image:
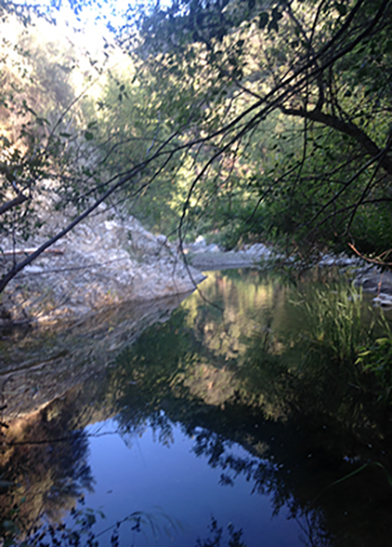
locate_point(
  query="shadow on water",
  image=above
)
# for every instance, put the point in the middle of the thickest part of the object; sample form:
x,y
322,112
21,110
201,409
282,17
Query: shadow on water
x,y
254,392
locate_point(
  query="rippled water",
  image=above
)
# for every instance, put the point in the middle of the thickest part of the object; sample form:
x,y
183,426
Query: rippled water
x,y
212,427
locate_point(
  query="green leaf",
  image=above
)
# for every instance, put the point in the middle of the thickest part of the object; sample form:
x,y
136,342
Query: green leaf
x,y
382,341
88,136
388,46
42,121
387,475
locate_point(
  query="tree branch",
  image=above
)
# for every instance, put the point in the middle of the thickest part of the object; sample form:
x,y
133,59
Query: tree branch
x,y
348,128
8,205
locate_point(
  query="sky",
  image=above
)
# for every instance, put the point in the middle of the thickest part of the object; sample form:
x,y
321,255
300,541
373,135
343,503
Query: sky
x,y
93,19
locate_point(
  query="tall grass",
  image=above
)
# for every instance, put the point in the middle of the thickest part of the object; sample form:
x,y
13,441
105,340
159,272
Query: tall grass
x,y
375,358
335,325
352,341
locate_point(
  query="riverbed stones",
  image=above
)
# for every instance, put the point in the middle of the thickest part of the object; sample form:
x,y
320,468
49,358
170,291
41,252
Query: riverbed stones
x,y
213,257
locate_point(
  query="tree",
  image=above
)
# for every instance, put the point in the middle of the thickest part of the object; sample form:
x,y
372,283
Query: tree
x,y
44,139
219,75
57,158
324,64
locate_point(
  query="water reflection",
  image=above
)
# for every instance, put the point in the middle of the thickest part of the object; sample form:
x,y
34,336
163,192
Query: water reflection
x,y
45,463
232,388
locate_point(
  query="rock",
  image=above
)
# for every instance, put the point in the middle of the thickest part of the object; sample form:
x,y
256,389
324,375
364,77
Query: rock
x,y
33,269
369,283
104,261
383,300
372,279
342,260
200,240
258,250
162,239
213,248
219,260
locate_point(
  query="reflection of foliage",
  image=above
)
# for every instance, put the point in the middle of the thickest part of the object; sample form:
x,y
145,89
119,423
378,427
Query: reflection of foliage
x,y
81,531
264,375
217,534
47,466
146,375
265,468
310,369
291,427
302,422
376,358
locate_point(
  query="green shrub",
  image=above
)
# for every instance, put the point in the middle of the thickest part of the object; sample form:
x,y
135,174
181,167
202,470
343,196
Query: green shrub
x,y
376,358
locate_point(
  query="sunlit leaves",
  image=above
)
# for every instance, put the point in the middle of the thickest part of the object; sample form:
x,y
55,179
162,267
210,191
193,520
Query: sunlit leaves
x,y
41,134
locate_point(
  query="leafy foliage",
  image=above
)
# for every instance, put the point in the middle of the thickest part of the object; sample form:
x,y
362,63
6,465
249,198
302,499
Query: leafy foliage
x,y
376,359
336,324
316,62
260,121
216,533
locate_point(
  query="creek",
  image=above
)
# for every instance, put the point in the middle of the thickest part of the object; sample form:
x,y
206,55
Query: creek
x,y
197,423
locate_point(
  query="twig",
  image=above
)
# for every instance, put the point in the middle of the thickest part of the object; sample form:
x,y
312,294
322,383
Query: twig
x,y
371,260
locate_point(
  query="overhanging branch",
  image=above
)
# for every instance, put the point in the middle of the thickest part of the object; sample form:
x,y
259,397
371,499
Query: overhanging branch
x,y
347,128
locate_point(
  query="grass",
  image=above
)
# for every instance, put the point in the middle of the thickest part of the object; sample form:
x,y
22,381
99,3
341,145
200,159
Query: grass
x,y
336,325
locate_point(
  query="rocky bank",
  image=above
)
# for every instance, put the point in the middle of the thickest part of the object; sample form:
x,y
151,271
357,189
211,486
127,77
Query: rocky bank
x,y
371,278
103,262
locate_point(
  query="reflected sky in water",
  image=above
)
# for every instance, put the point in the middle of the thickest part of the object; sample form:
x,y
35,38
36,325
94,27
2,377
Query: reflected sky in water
x,y
162,480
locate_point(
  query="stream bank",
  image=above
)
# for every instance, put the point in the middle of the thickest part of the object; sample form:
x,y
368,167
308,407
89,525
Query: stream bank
x,y
371,278
112,259
104,262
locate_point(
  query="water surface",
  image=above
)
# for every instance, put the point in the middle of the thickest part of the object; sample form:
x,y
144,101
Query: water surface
x,y
211,427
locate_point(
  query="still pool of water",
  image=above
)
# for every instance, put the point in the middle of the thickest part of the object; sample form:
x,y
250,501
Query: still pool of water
x,y
210,423
181,492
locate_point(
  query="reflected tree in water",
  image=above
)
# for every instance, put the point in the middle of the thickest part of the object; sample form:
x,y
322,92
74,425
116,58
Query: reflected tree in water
x,y
45,463
303,425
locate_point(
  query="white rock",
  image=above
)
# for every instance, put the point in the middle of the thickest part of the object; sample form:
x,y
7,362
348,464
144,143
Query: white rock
x,y
33,269
213,248
200,240
162,239
105,261
384,300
